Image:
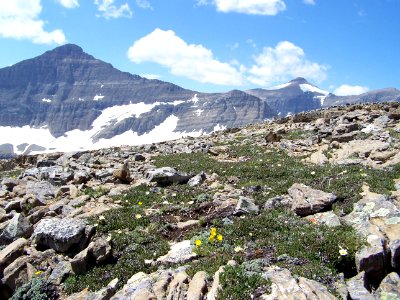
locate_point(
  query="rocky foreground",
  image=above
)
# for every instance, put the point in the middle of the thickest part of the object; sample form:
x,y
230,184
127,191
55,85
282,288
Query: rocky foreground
x,y
305,207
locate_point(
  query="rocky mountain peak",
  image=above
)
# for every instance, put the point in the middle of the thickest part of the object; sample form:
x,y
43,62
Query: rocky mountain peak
x,y
299,80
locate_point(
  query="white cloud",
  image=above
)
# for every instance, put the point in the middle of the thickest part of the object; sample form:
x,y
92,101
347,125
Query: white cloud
x,y
309,2
19,19
188,60
282,63
346,90
110,11
252,7
69,3
145,4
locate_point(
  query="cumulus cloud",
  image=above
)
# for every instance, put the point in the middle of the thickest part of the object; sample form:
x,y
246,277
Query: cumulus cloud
x,y
252,7
145,4
188,60
69,3
109,10
19,19
282,63
309,2
347,90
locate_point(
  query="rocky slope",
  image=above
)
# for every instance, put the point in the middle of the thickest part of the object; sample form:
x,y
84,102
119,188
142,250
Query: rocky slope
x,y
305,207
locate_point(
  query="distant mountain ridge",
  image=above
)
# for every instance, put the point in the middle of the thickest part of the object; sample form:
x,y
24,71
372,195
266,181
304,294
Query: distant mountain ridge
x,y
65,99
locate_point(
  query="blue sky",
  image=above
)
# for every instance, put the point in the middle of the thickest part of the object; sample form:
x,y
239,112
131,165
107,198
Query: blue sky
x,y
343,46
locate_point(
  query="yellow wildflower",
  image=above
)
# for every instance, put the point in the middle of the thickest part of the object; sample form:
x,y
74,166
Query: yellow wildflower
x,y
38,272
211,238
140,202
138,216
197,243
219,237
213,231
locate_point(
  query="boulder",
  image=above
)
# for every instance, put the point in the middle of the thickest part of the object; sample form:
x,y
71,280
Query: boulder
x,y
62,234
246,206
389,287
43,190
307,201
11,252
285,286
167,176
356,287
17,227
137,285
180,252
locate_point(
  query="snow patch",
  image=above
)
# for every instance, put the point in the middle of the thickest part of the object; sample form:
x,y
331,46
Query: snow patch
x,y
219,127
199,112
310,88
98,97
194,99
46,100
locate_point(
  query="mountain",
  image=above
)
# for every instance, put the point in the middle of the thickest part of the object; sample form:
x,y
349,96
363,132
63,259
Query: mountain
x,y
382,95
296,96
65,99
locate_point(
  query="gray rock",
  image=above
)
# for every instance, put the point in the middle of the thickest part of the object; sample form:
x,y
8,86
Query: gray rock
x,y
389,287
137,284
99,250
81,176
9,183
285,286
167,176
344,138
178,287
197,180
62,234
17,227
394,247
61,270
43,190
139,157
13,205
180,252
356,288
246,206
283,200
307,201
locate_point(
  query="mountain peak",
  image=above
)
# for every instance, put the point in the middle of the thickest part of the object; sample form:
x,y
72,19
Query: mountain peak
x,y
68,51
299,80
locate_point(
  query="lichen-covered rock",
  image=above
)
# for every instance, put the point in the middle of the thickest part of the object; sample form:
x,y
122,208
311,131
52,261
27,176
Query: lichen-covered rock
x,y
62,234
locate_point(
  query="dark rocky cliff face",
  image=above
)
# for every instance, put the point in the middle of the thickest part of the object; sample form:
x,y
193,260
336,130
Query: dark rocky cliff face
x,y
66,89
290,99
60,88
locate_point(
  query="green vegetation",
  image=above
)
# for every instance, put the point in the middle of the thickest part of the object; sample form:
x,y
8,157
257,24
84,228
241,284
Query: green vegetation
x,y
36,289
278,236
239,283
95,192
298,135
